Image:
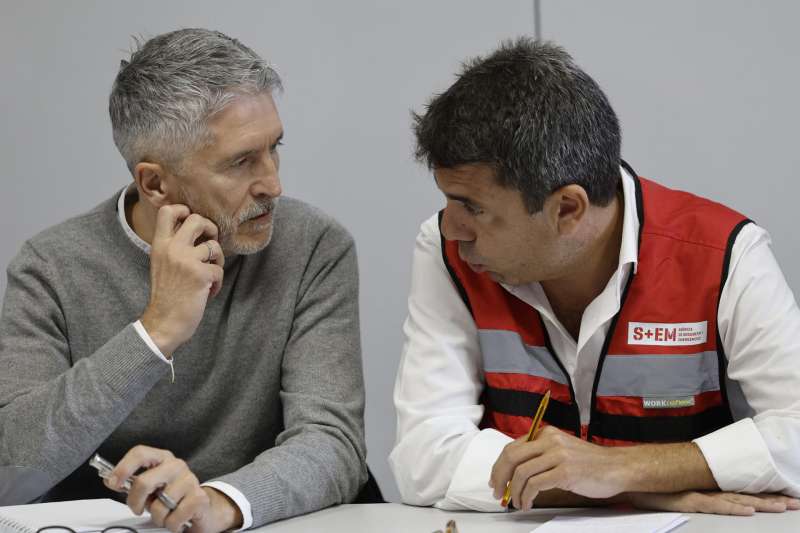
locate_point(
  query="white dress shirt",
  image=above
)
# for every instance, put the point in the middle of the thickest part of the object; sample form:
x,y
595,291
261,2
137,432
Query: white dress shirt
x,y
228,490
442,458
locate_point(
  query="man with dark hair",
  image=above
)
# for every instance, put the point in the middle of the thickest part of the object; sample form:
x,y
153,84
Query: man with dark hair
x,y
188,326
659,321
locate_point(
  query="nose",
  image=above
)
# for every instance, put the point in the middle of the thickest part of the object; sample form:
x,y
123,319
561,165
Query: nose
x,y
267,183
454,227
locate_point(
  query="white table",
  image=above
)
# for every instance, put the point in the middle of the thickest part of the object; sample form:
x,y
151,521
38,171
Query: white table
x,y
394,517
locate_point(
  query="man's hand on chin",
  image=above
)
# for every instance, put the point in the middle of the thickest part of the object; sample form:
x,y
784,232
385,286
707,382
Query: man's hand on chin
x,y
207,509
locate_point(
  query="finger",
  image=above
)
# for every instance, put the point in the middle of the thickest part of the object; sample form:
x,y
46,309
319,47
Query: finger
x,y
158,511
514,454
715,504
689,502
792,504
544,481
210,248
766,503
194,227
176,491
502,470
217,259
519,451
192,508
526,471
215,276
182,485
136,458
529,494
516,442
153,479
167,219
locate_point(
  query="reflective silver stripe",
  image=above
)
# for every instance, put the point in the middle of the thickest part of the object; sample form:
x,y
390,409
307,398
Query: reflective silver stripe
x,y
505,352
659,376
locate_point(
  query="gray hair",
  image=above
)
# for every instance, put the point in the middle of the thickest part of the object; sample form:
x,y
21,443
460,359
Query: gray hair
x,y
530,112
164,95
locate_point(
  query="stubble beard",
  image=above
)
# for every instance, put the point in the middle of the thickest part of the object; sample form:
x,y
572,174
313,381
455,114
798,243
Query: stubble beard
x,y
228,225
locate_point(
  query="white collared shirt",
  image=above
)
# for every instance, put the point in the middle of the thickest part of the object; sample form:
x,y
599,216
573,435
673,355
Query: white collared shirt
x,y
228,490
442,458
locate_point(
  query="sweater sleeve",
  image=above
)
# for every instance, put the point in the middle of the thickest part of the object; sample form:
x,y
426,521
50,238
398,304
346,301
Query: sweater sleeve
x,y
320,457
54,413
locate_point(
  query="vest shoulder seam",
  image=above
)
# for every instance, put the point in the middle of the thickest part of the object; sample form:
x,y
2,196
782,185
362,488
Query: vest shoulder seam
x,y
720,248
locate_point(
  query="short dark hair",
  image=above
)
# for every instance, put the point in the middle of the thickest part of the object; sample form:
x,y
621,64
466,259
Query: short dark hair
x,y
530,112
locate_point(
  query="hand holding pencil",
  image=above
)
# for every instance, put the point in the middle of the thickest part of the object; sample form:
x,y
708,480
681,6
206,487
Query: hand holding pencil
x,y
550,458
535,424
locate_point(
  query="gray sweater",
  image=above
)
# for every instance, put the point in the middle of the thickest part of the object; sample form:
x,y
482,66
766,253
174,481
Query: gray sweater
x,y
268,394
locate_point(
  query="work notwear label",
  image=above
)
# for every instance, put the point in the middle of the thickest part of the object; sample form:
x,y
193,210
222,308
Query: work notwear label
x,y
667,403
660,334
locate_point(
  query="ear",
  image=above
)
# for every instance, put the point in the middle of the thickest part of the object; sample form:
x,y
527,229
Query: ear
x,y
566,208
153,183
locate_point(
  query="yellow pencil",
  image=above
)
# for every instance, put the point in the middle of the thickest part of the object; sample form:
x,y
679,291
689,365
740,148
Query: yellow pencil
x,y
537,421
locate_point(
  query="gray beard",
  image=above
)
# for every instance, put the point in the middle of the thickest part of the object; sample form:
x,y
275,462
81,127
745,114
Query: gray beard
x,y
228,225
231,247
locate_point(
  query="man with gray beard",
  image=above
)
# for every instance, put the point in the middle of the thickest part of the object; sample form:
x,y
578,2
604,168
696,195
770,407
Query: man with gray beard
x,y
186,329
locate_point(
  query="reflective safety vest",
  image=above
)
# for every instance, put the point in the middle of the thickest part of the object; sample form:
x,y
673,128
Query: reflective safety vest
x,y
661,372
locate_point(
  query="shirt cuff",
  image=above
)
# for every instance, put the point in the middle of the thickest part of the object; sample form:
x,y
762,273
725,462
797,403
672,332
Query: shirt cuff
x,y
238,498
148,341
469,487
738,457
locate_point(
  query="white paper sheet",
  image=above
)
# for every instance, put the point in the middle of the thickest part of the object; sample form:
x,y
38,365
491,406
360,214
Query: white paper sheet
x,y
624,523
81,515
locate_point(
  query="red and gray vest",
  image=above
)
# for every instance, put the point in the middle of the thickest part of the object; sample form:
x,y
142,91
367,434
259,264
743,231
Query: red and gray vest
x,y
661,372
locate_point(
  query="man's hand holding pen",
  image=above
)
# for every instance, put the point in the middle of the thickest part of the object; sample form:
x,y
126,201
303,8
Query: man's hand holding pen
x,y
186,270
586,474
207,509
556,460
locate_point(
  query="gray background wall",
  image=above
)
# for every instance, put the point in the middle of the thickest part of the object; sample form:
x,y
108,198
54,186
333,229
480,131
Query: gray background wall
x,y
705,92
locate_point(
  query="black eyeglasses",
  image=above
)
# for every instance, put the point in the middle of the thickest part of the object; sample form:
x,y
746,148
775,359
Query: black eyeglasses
x,y
65,529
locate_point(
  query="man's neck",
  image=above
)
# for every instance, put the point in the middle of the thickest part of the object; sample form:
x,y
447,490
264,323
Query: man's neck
x,y
570,295
141,219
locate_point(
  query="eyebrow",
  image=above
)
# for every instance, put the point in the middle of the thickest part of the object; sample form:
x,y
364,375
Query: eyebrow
x,y
462,199
248,152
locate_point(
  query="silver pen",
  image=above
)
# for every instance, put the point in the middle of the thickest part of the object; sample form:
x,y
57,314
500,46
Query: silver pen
x,y
104,469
